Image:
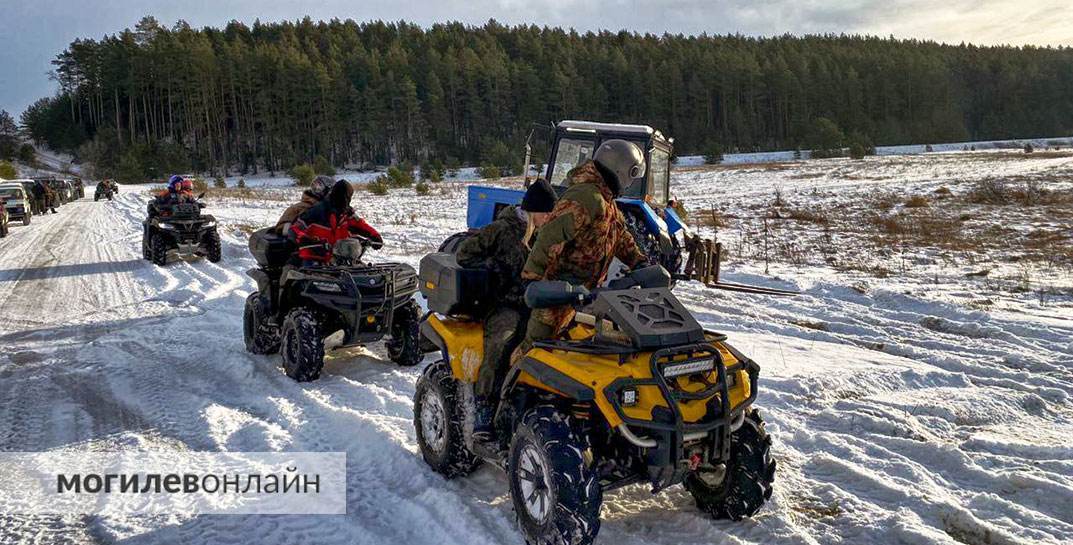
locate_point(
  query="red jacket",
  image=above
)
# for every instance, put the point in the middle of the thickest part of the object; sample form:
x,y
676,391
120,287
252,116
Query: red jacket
x,y
317,237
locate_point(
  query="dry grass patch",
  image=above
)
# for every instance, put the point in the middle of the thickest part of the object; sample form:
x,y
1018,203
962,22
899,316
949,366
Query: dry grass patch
x,y
917,201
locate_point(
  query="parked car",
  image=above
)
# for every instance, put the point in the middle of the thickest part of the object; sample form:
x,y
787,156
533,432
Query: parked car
x,y
16,203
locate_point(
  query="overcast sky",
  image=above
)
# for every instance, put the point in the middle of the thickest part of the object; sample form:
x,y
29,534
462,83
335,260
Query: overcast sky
x,y
34,31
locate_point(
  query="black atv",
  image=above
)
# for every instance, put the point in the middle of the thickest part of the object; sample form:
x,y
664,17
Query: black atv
x,y
180,227
104,191
295,308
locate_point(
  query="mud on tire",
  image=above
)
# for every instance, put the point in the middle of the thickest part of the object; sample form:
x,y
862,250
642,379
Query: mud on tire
x,y
260,337
546,463
302,345
438,419
404,346
749,477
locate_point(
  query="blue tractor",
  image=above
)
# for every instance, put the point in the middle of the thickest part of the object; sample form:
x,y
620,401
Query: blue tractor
x,y
654,224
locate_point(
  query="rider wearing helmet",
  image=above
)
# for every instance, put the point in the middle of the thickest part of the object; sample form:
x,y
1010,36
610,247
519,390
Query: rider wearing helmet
x,y
584,233
316,193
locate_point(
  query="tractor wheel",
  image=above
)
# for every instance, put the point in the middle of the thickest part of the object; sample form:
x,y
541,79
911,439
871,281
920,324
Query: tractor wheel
x,y
260,336
211,242
302,345
555,491
749,475
438,418
158,250
404,346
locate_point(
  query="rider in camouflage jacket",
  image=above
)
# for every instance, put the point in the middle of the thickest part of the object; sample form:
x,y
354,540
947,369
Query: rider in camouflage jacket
x,y
584,233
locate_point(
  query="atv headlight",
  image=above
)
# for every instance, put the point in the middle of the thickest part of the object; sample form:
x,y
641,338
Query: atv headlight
x,y
328,286
167,226
628,397
210,224
688,367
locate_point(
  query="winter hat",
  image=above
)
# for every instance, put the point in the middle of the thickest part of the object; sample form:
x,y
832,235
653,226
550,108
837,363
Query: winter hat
x,y
174,183
540,197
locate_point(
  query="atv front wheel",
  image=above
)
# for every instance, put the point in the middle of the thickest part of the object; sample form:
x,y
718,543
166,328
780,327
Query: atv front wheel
x,y
260,336
211,242
404,346
749,475
556,494
438,421
302,346
26,219
158,250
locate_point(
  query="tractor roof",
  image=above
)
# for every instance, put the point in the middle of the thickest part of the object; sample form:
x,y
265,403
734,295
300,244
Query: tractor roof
x,y
593,126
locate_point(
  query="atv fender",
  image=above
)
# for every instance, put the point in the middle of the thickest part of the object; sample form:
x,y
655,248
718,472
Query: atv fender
x,y
264,283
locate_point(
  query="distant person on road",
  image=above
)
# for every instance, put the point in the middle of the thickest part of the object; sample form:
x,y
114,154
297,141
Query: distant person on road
x,y
316,193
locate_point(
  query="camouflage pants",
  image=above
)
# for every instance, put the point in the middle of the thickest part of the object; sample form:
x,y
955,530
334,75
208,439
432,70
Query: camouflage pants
x,y
545,323
502,332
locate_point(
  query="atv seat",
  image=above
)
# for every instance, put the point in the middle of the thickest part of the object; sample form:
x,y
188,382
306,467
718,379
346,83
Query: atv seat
x,y
270,249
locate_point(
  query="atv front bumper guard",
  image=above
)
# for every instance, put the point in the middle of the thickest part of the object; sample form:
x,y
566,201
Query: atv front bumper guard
x,y
668,432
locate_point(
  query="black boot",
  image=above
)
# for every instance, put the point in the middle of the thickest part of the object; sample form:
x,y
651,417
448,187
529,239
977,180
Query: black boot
x,y
483,416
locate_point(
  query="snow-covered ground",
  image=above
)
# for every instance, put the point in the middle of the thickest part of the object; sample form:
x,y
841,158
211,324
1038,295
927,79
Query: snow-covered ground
x,y
902,409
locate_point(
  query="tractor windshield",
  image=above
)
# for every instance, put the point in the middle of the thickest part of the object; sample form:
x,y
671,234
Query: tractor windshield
x,y
570,154
659,171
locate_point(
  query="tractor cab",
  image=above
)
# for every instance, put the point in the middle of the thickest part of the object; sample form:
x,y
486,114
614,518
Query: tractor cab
x,y
576,141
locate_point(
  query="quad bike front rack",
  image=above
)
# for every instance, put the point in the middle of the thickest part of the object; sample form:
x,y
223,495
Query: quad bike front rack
x,y
702,265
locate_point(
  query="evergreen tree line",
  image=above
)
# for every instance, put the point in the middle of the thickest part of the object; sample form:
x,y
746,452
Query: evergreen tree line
x,y
152,100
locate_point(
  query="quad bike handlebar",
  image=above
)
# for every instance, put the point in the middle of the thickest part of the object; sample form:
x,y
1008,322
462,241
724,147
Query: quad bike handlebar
x,y
554,293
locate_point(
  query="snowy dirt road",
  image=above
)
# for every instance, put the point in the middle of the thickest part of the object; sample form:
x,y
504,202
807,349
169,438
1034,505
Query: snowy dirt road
x,y
896,418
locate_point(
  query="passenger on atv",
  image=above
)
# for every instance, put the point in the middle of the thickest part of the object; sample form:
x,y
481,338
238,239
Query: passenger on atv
x,y
317,192
502,248
105,189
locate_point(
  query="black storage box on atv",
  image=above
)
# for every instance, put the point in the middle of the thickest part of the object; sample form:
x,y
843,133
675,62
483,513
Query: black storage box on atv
x,y
453,290
269,249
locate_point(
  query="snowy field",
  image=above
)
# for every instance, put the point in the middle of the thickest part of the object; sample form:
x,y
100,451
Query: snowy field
x,y
908,402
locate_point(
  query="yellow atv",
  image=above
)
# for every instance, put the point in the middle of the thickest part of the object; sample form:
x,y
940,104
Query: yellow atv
x,y
635,391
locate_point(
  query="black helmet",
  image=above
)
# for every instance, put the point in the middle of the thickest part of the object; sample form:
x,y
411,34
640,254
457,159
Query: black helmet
x,y
620,163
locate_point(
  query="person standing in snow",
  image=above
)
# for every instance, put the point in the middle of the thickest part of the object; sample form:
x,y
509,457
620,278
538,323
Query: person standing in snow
x,y
316,193
584,233
502,247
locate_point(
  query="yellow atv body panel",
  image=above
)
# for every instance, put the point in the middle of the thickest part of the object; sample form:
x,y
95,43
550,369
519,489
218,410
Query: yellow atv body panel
x,y
464,346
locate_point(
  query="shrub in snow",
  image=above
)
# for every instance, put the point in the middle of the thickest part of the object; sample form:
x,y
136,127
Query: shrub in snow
x,y
219,182
713,153
400,177
7,171
489,172
422,188
379,186
241,183
302,175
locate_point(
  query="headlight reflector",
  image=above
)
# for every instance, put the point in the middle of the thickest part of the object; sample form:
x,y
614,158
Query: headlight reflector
x,y
688,367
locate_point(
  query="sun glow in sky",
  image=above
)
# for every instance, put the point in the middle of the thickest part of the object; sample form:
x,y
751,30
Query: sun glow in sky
x,y
37,30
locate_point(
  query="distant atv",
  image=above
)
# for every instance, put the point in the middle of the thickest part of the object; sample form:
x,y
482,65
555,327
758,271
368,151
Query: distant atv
x,y
104,191
635,391
295,309
179,227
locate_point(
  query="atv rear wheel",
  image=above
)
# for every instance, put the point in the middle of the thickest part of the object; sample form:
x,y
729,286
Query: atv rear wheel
x,y
749,475
260,336
158,250
302,345
438,418
211,242
404,346
556,494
